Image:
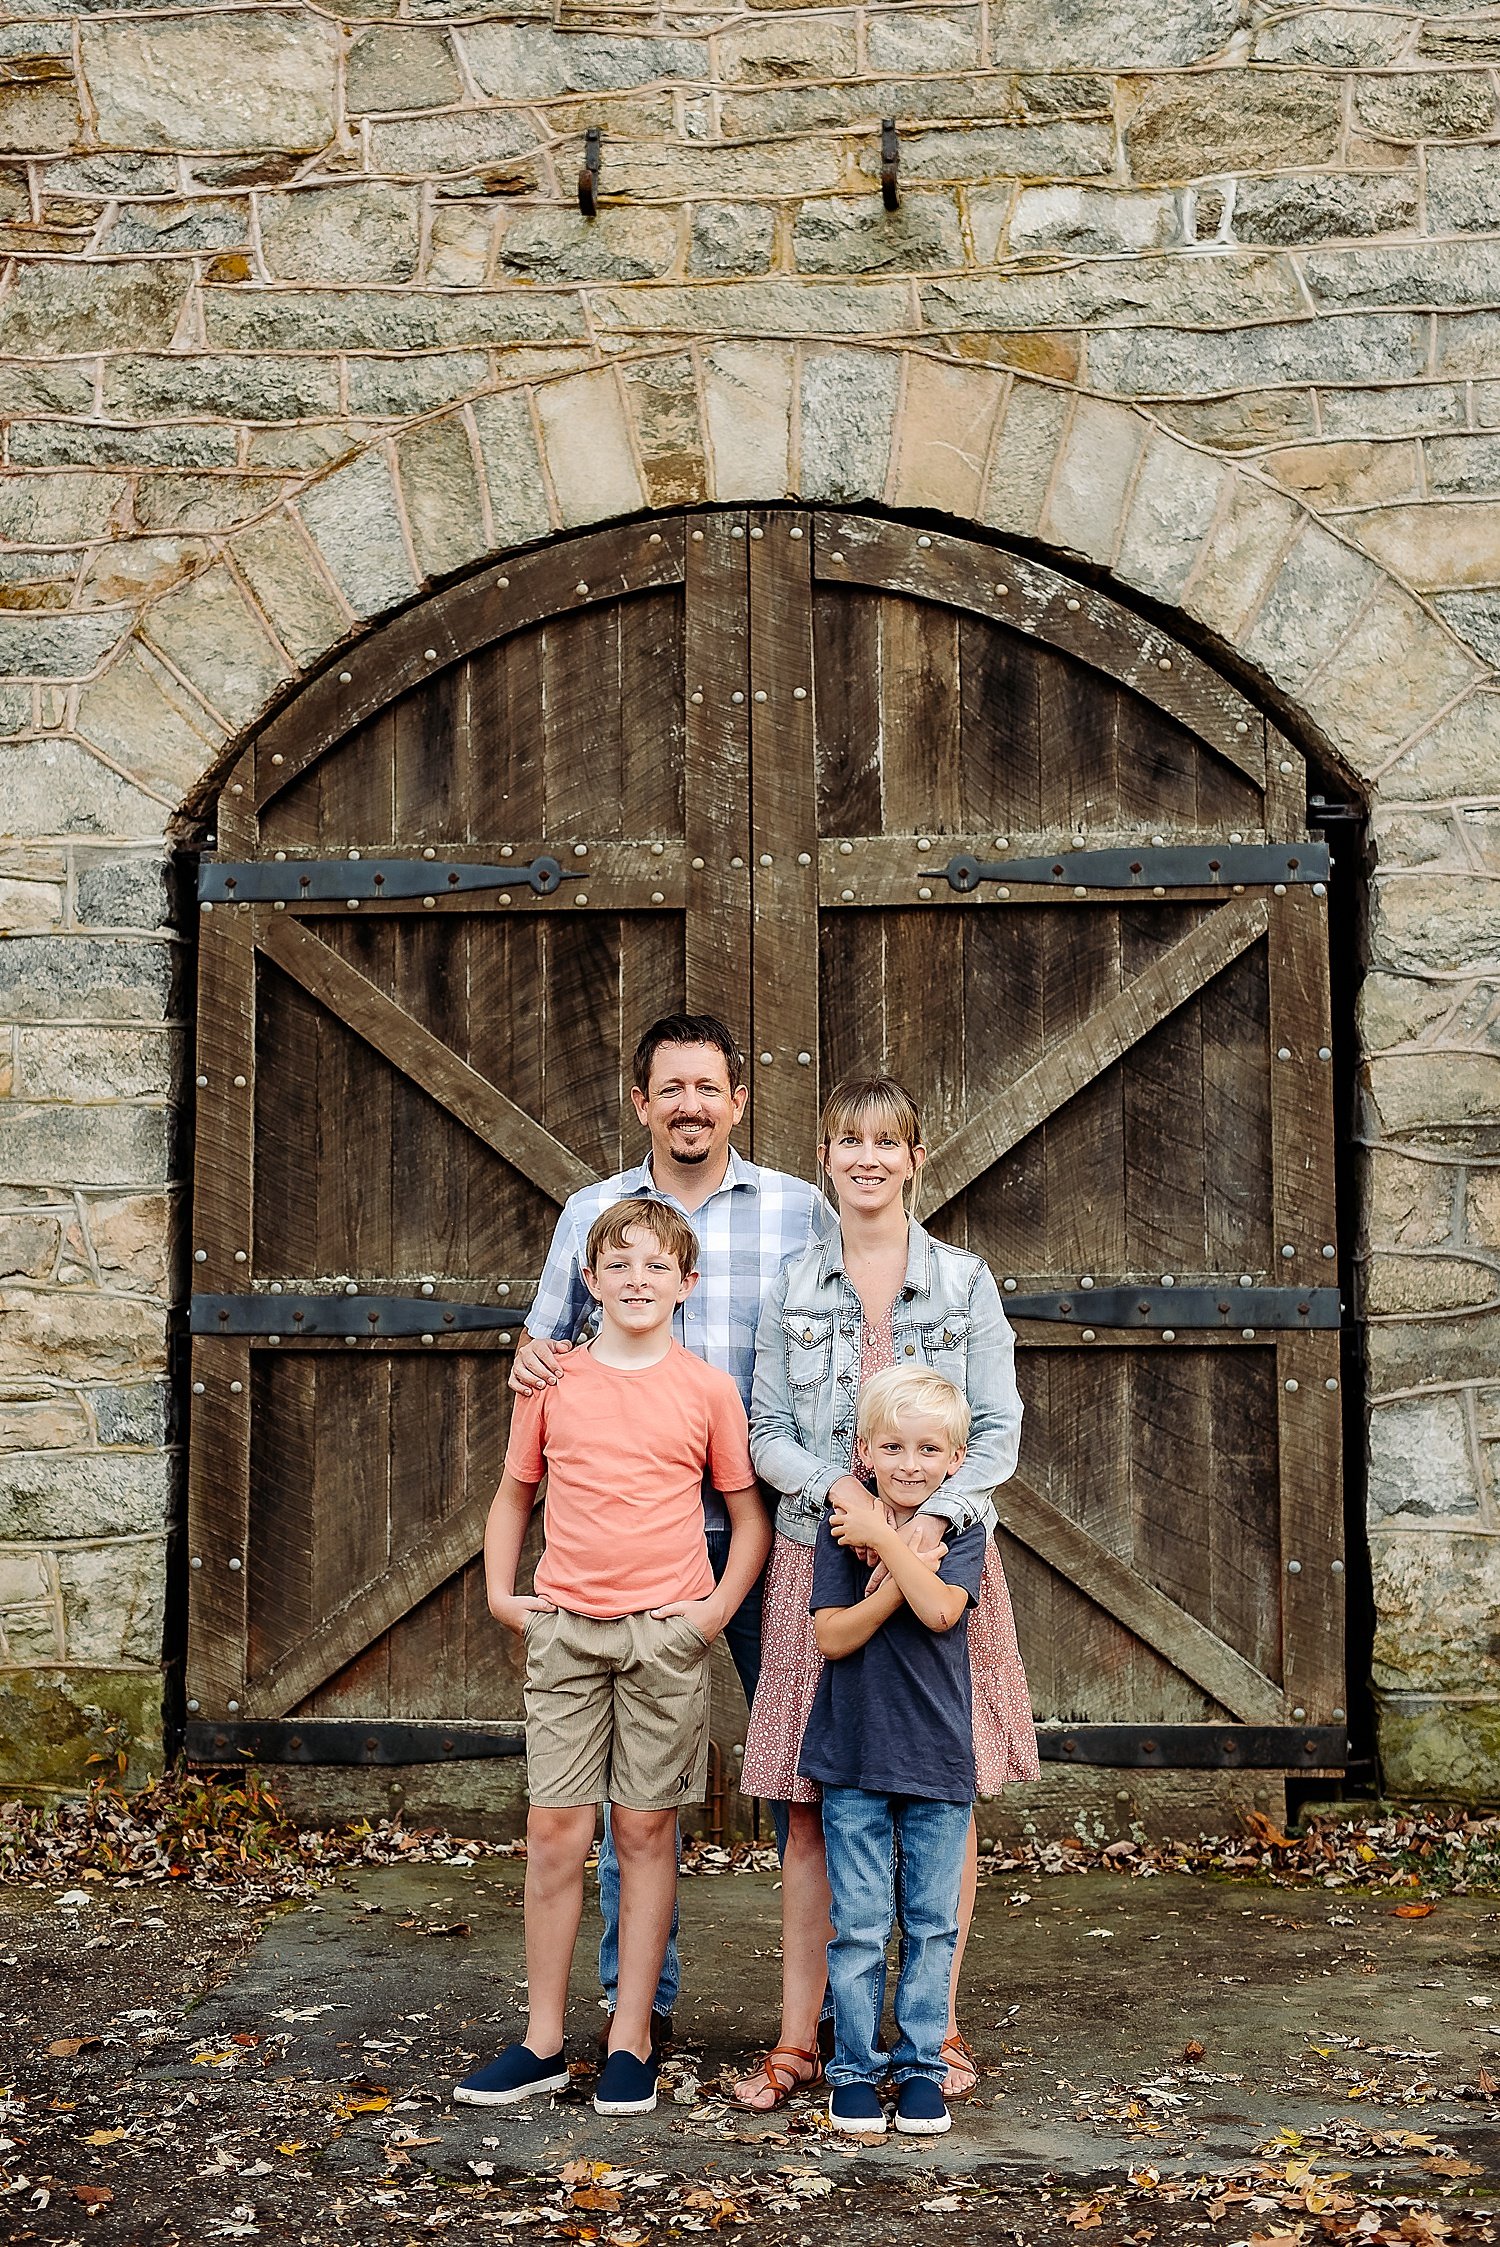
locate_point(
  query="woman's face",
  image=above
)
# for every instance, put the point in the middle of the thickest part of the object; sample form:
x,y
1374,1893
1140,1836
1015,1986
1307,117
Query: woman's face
x,y
868,1166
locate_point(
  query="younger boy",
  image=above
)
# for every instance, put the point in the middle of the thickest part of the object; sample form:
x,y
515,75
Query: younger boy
x,y
618,1632
890,1741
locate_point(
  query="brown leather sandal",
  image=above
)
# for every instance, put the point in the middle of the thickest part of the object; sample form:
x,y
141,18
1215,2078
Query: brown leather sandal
x,y
960,2061
782,2080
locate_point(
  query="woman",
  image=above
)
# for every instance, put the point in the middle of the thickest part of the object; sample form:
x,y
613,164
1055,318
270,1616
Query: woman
x,y
880,1291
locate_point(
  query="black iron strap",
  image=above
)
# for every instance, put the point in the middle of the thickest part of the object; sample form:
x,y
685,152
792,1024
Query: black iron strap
x,y
318,881
1197,1747
346,1740
1173,866
1277,1309
293,1318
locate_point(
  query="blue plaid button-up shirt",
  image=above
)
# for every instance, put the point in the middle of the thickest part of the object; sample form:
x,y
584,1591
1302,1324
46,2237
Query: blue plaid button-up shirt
x,y
748,1230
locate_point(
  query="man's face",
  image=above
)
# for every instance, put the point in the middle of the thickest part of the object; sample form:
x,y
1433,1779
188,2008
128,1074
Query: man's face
x,y
688,1107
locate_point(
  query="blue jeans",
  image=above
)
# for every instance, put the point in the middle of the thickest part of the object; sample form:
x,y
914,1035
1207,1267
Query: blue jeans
x,y
742,1637
890,1857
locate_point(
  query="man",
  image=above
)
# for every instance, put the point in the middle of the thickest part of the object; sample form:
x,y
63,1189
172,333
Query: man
x,y
688,1092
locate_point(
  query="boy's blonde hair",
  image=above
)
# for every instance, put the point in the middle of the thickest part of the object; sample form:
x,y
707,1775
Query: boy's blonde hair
x,y
887,1398
673,1235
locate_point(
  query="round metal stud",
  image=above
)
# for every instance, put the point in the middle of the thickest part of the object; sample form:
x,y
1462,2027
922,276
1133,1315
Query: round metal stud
x,y
232,1706
1236,838
1299,1714
796,531
241,1082
507,850
1088,1334
654,539
196,1561
580,850
1002,842
1243,726
697,865
1279,889
580,897
346,678
1169,1333
1002,892
1325,1053
835,557
236,1388
502,1287
756,531
736,696
799,694
1246,1280
1283,1053
351,1287
737,862
429,852
766,1059
765,858
804,1060
200,1081
804,858
505,897
427,1338
1164,663
429,902
580,587
431,654
1287,1249
846,850
924,842
208,905
503,583
697,538
193,1707
275,1287
1074,605
924,891
200,1255
1169,1279
738,531
1087,1280
1285,765
1320,889
1247,1334
236,788
760,694
1336,1568
197,1388
1080,891
696,696
1330,1383
1010,1287
234,1564
658,897
1291,1387
1294,1568
847,895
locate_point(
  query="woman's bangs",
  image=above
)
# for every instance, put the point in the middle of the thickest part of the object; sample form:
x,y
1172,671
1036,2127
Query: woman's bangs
x,y
880,1105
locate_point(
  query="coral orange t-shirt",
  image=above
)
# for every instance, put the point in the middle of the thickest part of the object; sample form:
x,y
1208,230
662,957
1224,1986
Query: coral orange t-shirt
x,y
624,1454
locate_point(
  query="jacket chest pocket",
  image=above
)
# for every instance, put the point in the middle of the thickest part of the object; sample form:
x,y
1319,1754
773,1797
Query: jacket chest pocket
x,y
808,1340
945,1345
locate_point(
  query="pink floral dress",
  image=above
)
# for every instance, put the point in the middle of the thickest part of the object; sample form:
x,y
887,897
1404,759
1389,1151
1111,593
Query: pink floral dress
x,y
1004,1735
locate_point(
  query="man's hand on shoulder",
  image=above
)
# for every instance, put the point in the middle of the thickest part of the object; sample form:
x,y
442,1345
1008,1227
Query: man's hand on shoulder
x,y
512,1609
706,1616
538,1365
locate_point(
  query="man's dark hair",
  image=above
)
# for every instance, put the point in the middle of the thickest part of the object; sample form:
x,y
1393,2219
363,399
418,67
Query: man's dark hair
x,y
686,1029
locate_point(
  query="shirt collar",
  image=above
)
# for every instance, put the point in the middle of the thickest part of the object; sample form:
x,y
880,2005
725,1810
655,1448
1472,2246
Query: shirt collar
x,y
740,1174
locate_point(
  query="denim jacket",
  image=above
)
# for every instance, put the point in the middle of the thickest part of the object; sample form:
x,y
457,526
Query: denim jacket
x,y
947,1315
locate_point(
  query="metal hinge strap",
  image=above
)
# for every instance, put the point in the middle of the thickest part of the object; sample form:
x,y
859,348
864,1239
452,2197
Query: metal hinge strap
x,y
1280,1309
1197,1747
315,881
295,1317
1173,866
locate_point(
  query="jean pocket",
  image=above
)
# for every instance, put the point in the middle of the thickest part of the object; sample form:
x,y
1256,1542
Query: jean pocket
x,y
808,1342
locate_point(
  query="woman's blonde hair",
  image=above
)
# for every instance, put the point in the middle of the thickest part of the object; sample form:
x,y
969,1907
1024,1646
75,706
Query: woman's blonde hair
x,y
851,1104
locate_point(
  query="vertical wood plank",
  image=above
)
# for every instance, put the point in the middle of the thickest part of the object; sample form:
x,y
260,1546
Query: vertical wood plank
x,y
1286,790
846,661
716,772
1312,1529
783,843
920,718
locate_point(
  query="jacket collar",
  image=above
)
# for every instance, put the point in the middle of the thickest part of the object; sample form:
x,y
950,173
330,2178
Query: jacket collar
x,y
918,1280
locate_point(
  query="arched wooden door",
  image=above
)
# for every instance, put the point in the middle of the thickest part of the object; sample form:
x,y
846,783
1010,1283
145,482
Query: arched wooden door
x,y
884,797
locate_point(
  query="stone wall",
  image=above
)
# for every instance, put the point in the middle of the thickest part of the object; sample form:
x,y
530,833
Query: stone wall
x,y
299,314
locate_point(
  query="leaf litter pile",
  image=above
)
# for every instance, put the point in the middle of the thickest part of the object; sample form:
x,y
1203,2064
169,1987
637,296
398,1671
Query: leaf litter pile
x,y
119,2120
231,1833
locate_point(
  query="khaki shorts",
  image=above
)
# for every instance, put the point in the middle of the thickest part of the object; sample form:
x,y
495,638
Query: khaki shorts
x,y
616,1711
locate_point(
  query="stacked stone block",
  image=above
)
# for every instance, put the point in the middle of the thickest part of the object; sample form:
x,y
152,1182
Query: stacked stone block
x,y
299,316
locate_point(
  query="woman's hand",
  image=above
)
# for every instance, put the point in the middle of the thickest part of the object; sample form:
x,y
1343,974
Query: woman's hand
x,y
858,1522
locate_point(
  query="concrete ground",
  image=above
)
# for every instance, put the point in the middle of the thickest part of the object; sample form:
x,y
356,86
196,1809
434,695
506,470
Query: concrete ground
x,y
1164,2054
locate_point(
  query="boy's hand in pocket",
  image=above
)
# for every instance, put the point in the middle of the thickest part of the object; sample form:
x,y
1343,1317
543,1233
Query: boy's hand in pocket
x,y
513,1610
706,1616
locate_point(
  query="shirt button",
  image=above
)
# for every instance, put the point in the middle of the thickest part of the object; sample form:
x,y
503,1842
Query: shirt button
x,y
911,1349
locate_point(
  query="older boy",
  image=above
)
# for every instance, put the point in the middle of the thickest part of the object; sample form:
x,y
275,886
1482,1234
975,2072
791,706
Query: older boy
x,y
890,1741
618,1632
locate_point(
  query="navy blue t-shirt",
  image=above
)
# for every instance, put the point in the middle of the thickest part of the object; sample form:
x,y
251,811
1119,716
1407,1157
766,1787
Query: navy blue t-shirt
x,y
896,1716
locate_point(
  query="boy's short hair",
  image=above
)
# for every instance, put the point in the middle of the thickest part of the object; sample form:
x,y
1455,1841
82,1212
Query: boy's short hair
x,y
687,1029
674,1236
888,1397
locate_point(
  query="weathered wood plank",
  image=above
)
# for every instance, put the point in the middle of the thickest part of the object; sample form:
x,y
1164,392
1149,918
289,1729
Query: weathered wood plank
x,y
784,843
1076,1060
425,1059
554,582
1309,1445
910,869
413,1575
716,771
1114,1585
1040,602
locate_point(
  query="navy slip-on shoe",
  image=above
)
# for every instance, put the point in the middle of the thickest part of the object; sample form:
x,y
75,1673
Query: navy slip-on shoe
x,y
517,2074
856,2107
627,2085
921,2110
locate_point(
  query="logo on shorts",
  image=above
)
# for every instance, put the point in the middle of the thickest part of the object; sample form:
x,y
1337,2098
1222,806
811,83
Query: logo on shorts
x,y
684,1782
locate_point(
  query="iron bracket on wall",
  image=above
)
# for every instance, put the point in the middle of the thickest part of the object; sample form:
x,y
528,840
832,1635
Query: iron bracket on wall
x,y
1273,1309
1161,867
347,1740
295,1318
319,881
1197,1747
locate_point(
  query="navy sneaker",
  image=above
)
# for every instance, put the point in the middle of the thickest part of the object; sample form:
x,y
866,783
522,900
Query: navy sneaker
x,y
627,2085
516,2074
921,2111
856,2108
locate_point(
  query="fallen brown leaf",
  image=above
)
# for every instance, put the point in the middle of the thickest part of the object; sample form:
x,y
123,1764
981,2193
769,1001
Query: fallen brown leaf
x,y
1449,2165
69,2047
1084,2215
103,2137
92,2196
594,2198
1487,2083
1193,2050
1414,1911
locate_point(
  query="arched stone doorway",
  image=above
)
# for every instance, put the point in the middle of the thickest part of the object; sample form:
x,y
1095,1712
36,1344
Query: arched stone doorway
x,y
847,781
